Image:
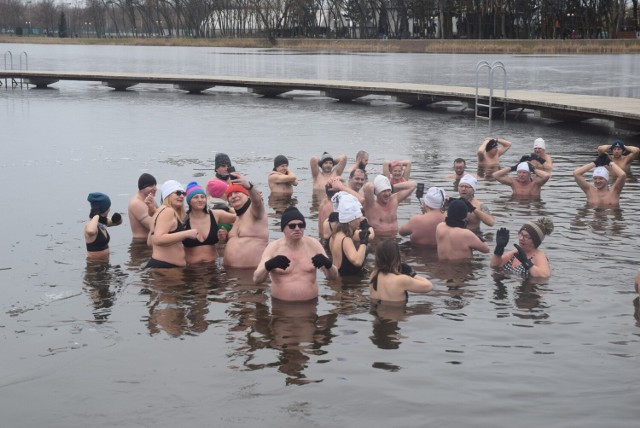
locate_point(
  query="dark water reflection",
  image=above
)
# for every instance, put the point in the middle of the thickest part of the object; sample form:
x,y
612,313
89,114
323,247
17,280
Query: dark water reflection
x,y
153,345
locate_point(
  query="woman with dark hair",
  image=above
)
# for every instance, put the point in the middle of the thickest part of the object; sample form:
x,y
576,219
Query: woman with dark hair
x,y
526,260
96,236
349,255
391,279
207,223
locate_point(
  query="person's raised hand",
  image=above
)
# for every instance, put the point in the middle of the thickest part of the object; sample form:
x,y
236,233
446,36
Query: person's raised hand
x,y
405,269
364,236
522,256
502,239
602,160
281,262
320,260
116,219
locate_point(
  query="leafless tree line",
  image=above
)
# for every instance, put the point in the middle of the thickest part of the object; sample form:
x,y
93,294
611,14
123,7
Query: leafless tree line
x,y
473,19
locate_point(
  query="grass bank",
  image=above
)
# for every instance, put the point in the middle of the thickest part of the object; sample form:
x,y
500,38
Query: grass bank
x,y
544,47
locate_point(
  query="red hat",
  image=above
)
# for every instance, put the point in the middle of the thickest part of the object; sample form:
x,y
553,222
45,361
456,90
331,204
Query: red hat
x,y
236,188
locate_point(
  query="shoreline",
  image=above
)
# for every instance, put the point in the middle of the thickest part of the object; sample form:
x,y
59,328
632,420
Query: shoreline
x,y
456,46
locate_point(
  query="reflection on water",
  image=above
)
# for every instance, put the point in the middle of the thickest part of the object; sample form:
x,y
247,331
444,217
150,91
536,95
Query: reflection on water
x,y
102,283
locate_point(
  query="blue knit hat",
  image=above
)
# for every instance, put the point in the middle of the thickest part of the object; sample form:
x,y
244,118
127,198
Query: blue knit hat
x,y
193,188
99,201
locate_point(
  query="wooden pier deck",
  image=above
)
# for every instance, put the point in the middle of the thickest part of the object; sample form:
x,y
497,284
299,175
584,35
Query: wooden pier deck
x,y
623,113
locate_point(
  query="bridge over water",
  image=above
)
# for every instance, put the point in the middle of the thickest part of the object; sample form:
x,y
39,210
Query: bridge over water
x,y
623,113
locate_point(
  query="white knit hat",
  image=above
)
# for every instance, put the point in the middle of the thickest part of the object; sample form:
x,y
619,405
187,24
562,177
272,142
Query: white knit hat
x,y
469,180
434,198
381,183
168,187
539,144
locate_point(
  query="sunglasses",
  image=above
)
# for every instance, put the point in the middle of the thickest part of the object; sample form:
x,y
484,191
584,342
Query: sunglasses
x,y
180,193
292,226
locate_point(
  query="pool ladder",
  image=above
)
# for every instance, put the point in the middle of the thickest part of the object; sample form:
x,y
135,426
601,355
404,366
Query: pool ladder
x,y
490,107
8,65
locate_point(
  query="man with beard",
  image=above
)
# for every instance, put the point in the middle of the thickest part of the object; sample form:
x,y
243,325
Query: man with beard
x,y
142,207
381,206
459,170
621,155
599,194
477,211
250,233
292,261
529,181
325,168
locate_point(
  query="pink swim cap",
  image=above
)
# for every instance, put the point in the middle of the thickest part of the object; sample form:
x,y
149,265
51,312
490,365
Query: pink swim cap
x,y
216,188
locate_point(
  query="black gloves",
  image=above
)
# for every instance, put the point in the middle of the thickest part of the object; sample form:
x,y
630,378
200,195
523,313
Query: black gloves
x,y
334,217
364,224
514,167
531,168
602,160
116,219
320,260
535,157
364,236
522,256
281,262
470,207
405,269
502,239
525,158
94,212
103,220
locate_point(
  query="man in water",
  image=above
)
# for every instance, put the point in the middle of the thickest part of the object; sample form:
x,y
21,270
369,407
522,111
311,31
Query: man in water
x,y
490,151
540,159
222,165
454,240
250,233
282,179
325,168
292,261
529,181
142,207
600,194
459,170
381,206
477,212
621,155
422,228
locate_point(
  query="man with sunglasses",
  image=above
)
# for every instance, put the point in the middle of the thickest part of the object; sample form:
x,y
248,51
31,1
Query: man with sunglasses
x,y
292,261
250,232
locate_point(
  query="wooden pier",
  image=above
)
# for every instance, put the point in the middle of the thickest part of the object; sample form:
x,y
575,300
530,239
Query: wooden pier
x,y
623,113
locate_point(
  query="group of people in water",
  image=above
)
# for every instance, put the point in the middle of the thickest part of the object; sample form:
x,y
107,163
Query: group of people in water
x,y
191,223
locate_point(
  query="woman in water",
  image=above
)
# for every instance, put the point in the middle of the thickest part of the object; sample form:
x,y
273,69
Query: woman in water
x,y
526,259
167,231
207,223
391,279
348,256
95,230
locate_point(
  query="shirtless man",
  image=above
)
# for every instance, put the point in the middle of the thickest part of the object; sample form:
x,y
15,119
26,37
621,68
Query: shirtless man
x,y
459,170
477,212
600,194
142,207
381,207
250,233
454,241
323,169
292,261
362,160
422,228
529,181
540,159
619,157
490,151
357,179
281,179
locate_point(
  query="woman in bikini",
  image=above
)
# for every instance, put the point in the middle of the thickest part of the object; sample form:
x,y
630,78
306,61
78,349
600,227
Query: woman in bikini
x,y
167,230
391,280
526,260
348,255
96,236
207,223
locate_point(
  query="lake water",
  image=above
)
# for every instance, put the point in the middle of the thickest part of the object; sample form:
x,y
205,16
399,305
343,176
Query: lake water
x,y
94,345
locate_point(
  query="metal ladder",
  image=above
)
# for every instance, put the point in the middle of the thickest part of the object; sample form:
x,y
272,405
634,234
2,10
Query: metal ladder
x,y
496,65
9,66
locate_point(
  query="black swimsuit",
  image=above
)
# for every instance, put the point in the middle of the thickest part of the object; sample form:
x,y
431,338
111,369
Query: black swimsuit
x,y
159,264
212,239
346,267
101,242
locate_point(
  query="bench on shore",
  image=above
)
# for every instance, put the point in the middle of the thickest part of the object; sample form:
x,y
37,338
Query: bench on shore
x,y
627,35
